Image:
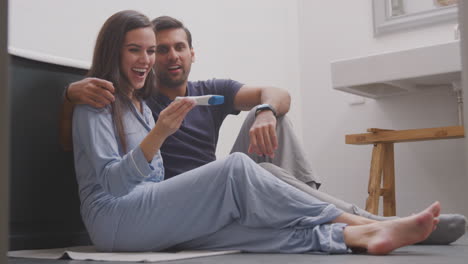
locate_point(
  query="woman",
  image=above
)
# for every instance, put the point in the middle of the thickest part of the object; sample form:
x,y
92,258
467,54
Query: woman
x,y
227,204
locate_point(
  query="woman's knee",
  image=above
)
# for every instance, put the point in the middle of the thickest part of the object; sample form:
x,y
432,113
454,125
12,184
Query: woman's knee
x,y
242,165
238,156
239,160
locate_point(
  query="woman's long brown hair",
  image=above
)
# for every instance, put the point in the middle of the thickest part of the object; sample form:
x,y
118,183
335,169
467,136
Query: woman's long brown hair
x,y
106,64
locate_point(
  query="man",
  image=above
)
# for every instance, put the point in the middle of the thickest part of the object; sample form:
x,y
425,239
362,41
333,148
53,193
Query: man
x,y
266,135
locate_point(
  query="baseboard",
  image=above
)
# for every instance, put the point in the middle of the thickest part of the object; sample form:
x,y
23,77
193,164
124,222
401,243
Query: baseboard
x,y
39,236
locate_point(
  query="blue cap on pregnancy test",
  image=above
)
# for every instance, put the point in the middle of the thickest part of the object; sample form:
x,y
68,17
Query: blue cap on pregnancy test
x,y
216,100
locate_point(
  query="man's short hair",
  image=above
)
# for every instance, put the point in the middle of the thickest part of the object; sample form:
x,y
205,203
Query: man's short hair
x,y
166,22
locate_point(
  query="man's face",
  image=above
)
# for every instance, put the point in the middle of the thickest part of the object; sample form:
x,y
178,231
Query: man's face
x,y
174,58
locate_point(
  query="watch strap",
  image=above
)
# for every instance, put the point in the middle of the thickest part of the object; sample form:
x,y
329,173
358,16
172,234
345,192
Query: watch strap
x,y
264,107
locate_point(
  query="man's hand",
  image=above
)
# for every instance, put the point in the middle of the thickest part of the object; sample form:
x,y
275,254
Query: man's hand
x,y
263,140
92,91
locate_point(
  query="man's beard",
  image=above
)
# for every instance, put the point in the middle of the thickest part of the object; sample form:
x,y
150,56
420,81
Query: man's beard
x,y
165,80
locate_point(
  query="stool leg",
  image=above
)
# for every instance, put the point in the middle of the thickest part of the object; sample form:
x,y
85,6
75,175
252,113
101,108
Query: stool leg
x,y
375,179
389,203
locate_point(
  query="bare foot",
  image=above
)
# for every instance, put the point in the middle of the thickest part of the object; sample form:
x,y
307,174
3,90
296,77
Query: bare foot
x,y
383,237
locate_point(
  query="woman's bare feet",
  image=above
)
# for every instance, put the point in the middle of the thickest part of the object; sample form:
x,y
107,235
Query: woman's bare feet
x,y
383,237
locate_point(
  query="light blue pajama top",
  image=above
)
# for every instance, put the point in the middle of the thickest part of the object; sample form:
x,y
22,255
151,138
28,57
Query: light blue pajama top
x,y
112,174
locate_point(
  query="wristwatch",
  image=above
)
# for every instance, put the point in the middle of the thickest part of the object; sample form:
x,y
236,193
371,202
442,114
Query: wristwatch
x,y
264,107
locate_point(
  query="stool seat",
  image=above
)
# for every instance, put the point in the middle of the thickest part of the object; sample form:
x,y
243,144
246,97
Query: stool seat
x,y
382,169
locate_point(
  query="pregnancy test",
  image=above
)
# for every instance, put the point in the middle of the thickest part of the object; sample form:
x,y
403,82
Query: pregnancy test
x,y
204,99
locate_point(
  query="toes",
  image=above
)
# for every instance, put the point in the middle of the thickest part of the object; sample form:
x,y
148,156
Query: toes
x,y
435,222
435,209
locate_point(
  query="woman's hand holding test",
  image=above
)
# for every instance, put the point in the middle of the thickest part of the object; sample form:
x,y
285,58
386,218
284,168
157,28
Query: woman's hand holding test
x,y
168,122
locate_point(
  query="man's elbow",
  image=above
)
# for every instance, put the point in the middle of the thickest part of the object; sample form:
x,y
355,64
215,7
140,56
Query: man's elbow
x,y
286,102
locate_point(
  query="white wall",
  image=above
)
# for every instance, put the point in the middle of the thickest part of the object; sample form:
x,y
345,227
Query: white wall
x,y
254,42
425,171
463,14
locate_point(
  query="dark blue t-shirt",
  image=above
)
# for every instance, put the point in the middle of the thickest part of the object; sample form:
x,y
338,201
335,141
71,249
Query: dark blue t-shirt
x,y
194,144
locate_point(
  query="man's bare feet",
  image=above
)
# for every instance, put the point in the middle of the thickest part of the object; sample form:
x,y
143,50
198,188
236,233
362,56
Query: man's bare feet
x,y
383,237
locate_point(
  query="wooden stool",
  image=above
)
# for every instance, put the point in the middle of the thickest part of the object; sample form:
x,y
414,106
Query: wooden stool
x,y
383,164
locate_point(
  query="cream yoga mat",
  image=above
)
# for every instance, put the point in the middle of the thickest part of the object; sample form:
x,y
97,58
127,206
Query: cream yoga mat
x,y
89,253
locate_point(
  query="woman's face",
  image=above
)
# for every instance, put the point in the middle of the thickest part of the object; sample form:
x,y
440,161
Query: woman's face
x,y
138,55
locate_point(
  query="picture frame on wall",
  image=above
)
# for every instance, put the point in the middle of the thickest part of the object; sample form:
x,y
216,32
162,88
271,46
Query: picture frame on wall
x,y
389,16
442,3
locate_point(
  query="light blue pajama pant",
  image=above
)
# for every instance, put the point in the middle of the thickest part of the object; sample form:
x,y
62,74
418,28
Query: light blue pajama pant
x,y
227,204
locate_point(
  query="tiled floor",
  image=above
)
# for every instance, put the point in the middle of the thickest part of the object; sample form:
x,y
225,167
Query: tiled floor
x,y
455,253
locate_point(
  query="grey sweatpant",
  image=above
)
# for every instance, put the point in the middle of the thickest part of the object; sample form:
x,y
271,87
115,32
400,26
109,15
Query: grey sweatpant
x,y
290,163
289,156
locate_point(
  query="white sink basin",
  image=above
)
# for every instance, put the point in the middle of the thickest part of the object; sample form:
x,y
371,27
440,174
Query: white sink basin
x,y
400,72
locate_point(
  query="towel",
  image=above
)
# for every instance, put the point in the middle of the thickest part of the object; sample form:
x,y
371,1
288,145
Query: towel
x,y
90,253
